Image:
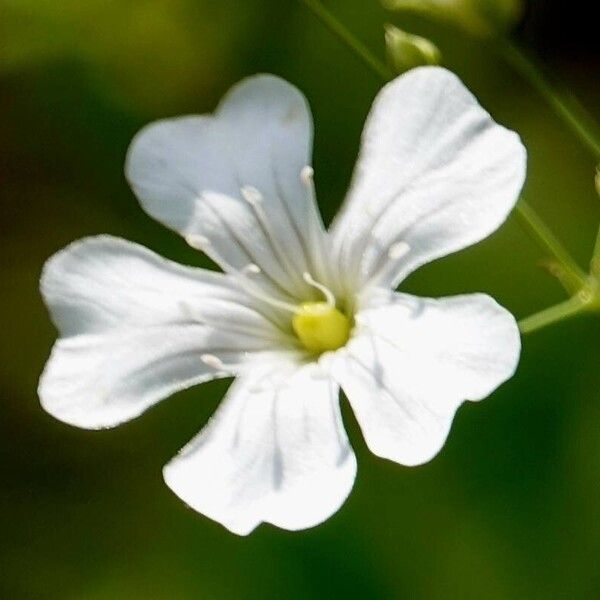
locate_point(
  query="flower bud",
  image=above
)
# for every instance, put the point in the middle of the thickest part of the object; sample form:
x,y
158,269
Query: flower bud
x,y
597,179
406,51
479,17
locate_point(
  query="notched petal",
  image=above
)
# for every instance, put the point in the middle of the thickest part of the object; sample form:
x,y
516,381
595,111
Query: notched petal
x,y
275,451
190,173
413,361
434,172
134,328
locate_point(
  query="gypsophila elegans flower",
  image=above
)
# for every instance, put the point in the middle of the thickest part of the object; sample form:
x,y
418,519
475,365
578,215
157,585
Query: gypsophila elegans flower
x,y
298,311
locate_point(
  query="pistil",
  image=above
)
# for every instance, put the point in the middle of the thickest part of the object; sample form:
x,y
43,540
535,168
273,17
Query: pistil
x,y
321,327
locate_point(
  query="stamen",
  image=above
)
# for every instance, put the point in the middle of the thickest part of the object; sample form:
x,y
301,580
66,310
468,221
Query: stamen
x,y
203,244
212,361
398,250
257,293
306,175
198,242
251,195
255,199
329,297
314,242
251,269
395,252
220,368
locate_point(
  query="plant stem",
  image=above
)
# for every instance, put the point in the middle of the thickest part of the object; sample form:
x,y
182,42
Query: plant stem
x,y
596,253
332,23
564,104
595,262
547,240
554,314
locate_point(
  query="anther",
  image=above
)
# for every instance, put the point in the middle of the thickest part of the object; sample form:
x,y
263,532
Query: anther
x,y
306,175
395,252
199,242
252,269
398,250
251,195
212,361
329,297
202,243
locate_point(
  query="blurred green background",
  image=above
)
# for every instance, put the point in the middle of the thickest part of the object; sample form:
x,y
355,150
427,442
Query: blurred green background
x,y
510,509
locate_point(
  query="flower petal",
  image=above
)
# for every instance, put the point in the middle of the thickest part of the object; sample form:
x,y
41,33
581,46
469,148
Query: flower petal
x,y
235,184
413,362
135,328
435,174
276,451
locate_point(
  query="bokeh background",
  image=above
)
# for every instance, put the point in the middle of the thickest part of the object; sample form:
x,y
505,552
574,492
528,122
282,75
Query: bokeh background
x,y
510,509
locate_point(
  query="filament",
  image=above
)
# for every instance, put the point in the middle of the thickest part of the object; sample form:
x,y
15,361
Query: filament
x,y
255,199
257,293
202,243
395,252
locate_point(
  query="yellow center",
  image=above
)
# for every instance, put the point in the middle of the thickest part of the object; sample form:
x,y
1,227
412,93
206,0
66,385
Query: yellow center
x,y
321,327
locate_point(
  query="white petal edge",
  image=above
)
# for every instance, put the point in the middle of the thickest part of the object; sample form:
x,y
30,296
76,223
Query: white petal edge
x,y
275,451
190,173
413,362
135,328
435,173
100,381
101,283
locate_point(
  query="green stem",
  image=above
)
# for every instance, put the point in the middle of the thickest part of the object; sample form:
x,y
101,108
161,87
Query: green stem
x,y
542,234
596,253
564,104
344,35
595,262
554,314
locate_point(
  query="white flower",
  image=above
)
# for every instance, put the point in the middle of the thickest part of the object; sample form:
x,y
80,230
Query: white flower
x,y
298,312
